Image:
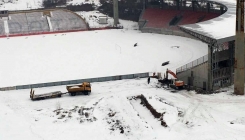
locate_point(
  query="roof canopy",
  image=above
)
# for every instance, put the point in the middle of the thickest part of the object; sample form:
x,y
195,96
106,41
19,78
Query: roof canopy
x,y
222,28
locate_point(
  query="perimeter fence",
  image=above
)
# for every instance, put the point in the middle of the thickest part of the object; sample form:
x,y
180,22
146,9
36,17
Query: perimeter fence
x,y
68,82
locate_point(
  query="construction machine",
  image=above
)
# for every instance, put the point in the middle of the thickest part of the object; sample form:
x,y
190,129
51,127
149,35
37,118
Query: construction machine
x,y
84,88
173,83
73,90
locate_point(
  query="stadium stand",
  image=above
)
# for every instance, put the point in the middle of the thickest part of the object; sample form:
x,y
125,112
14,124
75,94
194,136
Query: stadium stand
x,y
159,18
2,27
162,18
64,20
17,23
40,21
189,17
37,22
210,16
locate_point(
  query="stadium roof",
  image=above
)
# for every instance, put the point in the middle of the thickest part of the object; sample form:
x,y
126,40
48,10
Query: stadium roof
x,y
221,28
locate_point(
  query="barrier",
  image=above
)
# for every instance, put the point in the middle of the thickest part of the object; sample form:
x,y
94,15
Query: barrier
x,y
68,82
192,64
166,31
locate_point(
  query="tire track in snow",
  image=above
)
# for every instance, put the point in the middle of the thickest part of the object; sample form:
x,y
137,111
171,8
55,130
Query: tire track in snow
x,y
228,132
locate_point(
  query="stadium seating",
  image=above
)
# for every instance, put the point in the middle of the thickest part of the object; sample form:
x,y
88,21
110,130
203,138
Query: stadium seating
x,y
159,18
210,16
18,23
37,22
1,28
63,20
189,17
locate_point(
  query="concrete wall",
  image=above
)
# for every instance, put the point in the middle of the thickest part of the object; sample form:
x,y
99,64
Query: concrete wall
x,y
165,31
141,23
195,76
59,83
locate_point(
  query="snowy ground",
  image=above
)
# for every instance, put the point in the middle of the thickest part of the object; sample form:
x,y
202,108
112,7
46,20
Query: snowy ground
x,y
189,116
107,113
20,4
88,54
34,4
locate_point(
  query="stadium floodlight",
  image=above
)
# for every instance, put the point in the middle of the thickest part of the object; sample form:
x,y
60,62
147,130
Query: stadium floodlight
x,y
115,12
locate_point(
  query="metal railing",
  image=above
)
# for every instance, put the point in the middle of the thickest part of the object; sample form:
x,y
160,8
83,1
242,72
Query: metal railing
x,y
192,64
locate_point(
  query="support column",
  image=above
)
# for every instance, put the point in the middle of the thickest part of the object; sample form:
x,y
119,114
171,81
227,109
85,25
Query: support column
x,y
178,4
115,12
210,72
239,50
193,5
231,61
208,7
221,9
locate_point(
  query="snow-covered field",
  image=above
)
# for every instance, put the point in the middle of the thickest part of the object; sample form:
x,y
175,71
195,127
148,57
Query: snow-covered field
x,y
110,112
89,54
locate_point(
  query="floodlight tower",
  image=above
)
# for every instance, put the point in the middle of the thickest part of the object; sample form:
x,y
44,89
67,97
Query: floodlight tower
x,y
239,50
115,12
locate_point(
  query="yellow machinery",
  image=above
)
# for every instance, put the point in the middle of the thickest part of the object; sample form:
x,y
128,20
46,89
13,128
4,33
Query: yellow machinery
x,y
84,88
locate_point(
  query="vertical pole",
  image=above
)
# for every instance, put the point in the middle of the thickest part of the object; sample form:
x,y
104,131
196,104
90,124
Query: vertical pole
x,y
210,71
239,50
231,64
208,7
177,3
193,5
115,12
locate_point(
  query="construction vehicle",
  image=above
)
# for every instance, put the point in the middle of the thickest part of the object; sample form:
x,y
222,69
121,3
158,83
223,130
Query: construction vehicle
x,y
84,88
173,83
45,95
73,90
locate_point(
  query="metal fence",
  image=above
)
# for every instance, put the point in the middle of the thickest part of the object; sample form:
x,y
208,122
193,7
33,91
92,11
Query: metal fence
x,y
192,64
59,83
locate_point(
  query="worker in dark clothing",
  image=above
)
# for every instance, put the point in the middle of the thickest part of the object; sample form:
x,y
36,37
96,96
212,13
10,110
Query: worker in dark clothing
x,y
149,79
